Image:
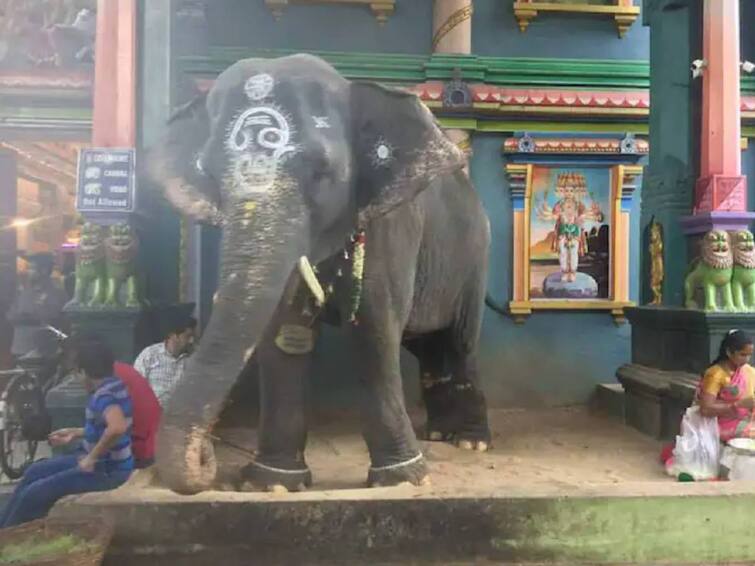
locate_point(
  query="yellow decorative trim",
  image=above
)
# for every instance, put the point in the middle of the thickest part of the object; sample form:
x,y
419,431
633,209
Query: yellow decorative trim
x,y
744,143
522,309
458,17
565,110
623,16
382,9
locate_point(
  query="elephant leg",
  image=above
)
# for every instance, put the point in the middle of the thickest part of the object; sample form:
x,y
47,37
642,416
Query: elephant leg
x,y
473,431
437,387
284,358
394,450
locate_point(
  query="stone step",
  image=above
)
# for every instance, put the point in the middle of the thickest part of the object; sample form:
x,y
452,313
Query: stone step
x,y
609,400
644,523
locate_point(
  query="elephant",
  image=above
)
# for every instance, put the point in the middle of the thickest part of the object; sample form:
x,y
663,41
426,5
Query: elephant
x,y
301,167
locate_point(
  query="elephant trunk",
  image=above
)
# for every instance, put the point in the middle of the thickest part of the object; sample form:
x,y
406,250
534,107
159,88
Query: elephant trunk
x,y
254,273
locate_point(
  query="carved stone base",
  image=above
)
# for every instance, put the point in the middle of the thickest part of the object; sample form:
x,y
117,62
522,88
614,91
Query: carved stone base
x,y
677,339
720,193
716,220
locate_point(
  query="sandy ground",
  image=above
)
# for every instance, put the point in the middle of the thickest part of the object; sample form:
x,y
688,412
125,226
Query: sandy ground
x,y
566,447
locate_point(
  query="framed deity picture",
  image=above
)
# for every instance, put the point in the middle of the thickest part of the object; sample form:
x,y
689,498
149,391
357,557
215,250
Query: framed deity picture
x,y
571,214
571,230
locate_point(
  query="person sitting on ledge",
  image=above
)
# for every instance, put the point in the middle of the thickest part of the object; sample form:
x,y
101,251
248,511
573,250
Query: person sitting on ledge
x,y
105,462
146,410
727,389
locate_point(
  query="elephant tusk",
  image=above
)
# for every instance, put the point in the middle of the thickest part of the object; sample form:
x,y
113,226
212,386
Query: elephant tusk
x,y
308,274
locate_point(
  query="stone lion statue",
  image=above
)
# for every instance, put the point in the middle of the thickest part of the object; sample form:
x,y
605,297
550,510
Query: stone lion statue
x,y
90,267
121,249
711,272
743,277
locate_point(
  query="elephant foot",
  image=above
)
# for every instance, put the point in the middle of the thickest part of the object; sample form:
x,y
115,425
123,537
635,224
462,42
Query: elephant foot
x,y
413,471
257,476
434,435
474,445
474,432
442,417
186,461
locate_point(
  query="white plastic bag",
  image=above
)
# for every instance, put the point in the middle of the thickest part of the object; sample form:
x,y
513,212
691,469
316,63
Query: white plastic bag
x,y
698,448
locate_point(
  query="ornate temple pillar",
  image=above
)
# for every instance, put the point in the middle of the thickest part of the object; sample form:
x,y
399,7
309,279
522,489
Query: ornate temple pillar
x,y
693,184
452,35
720,200
114,121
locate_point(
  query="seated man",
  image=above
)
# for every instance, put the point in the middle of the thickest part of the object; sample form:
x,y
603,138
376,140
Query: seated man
x,y
105,461
163,364
147,412
146,408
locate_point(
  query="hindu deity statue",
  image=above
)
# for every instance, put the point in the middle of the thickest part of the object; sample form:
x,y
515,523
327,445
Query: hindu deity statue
x,y
570,213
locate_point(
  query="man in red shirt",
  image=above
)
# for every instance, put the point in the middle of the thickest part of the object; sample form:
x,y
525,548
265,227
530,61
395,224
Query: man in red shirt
x,y
146,408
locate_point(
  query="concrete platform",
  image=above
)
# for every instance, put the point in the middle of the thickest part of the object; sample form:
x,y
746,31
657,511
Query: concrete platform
x,y
561,486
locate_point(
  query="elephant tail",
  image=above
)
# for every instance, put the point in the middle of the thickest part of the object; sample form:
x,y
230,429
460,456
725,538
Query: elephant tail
x,y
491,303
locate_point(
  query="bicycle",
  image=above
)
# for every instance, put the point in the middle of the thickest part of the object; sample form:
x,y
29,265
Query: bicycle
x,y
24,420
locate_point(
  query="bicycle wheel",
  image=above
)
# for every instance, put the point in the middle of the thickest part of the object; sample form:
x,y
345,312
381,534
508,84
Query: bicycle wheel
x,y
21,399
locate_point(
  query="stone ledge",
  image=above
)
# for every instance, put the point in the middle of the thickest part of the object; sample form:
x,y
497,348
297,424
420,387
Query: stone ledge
x,y
610,523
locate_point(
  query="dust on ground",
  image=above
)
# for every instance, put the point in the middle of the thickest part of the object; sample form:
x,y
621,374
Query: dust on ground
x,y
560,447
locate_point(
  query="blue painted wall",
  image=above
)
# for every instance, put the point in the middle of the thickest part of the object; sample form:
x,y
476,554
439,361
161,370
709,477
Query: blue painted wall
x,y
748,168
409,30
341,28
496,33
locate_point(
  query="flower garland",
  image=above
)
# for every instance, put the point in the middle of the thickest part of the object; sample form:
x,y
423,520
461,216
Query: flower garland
x,y
357,274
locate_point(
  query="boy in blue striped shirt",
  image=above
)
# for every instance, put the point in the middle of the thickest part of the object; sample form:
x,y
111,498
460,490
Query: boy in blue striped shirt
x,y
106,461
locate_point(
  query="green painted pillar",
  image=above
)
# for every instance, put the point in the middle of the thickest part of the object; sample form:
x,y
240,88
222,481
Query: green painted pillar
x,y
669,180
160,225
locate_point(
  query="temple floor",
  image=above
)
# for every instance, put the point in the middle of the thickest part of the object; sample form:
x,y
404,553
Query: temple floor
x,y
560,448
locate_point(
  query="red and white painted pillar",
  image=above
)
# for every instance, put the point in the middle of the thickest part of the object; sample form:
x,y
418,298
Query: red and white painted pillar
x,y
115,74
721,190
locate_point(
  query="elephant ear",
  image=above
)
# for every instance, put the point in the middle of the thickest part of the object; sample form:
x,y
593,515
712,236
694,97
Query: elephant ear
x,y
399,148
175,163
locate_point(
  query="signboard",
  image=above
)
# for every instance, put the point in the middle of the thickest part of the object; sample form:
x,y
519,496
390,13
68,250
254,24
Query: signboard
x,y
106,180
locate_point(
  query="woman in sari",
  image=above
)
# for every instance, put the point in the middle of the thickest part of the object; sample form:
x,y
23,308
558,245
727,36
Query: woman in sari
x,y
727,390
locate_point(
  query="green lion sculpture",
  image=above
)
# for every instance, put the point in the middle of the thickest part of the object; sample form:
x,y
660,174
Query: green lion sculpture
x,y
121,249
743,278
90,267
712,271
